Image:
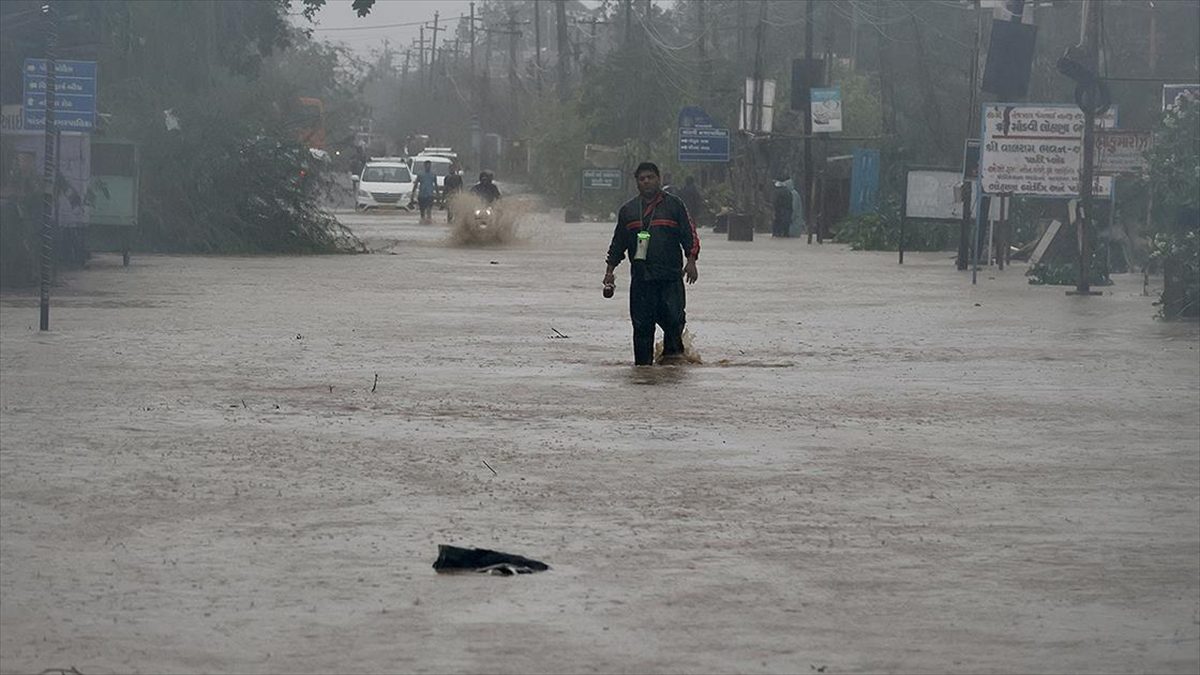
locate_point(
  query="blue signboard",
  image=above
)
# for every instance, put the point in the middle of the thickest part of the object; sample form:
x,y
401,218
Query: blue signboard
x,y
72,87
703,145
864,181
699,139
74,95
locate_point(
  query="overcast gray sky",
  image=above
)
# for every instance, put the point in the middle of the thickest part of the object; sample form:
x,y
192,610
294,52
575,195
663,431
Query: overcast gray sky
x,y
337,22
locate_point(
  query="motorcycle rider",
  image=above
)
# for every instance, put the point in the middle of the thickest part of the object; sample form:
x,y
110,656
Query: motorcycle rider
x,y
485,189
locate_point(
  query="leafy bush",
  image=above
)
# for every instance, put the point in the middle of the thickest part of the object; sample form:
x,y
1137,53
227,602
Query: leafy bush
x,y
880,231
220,188
1179,253
1067,274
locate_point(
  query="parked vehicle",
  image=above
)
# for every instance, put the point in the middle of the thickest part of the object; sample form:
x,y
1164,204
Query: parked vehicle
x,y
384,183
441,168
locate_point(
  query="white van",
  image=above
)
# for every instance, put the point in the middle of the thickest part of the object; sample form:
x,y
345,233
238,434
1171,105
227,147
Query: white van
x,y
385,184
438,164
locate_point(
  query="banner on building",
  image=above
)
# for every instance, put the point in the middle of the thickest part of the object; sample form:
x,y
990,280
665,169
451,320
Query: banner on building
x,y
827,110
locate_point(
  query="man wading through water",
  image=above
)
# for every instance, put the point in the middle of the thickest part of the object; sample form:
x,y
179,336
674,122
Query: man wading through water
x,y
655,231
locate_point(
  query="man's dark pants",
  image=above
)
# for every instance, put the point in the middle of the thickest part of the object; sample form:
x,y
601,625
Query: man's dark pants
x,y
426,206
656,302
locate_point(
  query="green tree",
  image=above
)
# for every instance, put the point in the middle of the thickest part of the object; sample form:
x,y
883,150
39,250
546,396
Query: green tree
x,y
1175,178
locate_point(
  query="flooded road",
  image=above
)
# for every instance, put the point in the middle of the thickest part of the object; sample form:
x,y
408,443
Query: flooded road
x,y
876,468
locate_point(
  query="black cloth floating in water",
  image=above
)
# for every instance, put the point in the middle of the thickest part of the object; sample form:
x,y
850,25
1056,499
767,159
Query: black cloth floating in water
x,y
456,559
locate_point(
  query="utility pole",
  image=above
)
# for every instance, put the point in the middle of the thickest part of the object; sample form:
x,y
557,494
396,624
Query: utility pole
x,y
808,164
756,111
564,49
1090,53
512,65
754,119
404,73
830,26
580,62
741,32
853,37
628,22
537,42
485,84
702,48
592,44
433,56
421,58
960,261
487,54
49,166
472,31
1152,55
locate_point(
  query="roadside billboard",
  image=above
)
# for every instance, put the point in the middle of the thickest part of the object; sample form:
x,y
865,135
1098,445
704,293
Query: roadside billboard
x,y
1036,149
1122,151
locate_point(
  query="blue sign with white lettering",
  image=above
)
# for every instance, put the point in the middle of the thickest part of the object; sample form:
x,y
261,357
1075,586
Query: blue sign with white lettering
x,y
74,86
74,95
864,181
699,139
703,145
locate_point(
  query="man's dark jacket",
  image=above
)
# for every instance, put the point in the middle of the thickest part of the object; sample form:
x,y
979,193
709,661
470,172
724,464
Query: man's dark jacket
x,y
672,233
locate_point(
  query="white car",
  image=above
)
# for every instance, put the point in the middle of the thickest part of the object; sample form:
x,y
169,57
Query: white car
x,y
386,184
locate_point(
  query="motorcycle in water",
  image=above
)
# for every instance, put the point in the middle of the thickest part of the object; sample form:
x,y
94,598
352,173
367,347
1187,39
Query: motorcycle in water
x,y
481,224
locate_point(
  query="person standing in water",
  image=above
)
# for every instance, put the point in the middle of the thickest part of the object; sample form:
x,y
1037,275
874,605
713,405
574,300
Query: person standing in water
x,y
656,233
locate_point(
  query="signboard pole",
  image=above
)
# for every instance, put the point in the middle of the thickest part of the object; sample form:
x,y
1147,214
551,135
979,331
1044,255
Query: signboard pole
x,y
967,195
50,169
981,212
1002,244
903,214
972,150
1083,286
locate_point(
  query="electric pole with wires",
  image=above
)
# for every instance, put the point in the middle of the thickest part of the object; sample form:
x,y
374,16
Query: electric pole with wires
x,y
1091,103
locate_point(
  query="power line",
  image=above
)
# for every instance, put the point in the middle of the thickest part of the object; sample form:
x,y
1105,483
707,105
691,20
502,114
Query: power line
x,y
376,27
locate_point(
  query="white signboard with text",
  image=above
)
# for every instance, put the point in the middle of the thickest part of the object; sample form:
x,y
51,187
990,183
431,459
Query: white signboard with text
x,y
1122,151
937,194
933,194
1037,150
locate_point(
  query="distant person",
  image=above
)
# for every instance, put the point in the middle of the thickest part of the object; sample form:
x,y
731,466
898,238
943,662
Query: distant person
x,y
485,189
655,232
692,199
668,185
782,203
452,184
426,188
797,225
